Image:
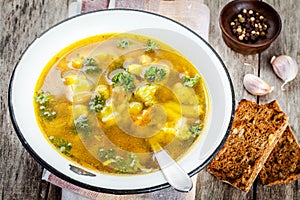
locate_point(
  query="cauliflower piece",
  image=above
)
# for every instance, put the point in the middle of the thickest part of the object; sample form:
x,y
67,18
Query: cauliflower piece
x,y
103,90
145,59
70,79
146,94
182,129
163,137
107,115
135,108
185,95
135,69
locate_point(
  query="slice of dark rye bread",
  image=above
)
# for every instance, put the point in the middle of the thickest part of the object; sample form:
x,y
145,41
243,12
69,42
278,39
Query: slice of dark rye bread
x,y
254,134
283,164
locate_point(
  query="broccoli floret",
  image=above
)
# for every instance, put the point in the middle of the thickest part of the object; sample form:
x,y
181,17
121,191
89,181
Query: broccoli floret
x,y
191,82
155,74
125,80
151,46
123,43
97,102
61,144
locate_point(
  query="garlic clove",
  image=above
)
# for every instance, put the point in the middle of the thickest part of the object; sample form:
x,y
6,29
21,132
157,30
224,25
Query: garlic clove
x,y
285,68
256,85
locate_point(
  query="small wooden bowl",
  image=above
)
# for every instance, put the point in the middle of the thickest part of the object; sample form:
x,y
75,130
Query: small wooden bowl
x,y
233,8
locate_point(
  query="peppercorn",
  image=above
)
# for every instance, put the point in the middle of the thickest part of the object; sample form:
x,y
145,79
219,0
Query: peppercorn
x,y
249,26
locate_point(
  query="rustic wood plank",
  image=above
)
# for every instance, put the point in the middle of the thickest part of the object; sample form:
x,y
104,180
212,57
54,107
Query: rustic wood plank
x,y
21,22
54,192
289,99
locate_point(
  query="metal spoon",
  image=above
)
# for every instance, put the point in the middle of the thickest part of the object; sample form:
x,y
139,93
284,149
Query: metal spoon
x,y
172,172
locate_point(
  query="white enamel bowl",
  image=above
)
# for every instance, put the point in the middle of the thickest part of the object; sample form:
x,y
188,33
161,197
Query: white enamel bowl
x,y
191,45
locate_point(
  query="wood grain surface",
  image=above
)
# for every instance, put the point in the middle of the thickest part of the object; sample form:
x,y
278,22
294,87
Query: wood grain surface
x,y
22,21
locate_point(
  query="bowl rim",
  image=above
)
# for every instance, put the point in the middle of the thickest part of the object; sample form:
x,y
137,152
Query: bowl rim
x,y
250,45
51,169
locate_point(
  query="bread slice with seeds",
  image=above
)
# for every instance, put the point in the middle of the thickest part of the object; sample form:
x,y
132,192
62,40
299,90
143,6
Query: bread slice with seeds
x,y
254,134
283,164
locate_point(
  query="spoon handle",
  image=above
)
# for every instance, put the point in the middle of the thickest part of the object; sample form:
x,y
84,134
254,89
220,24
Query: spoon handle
x,y
173,173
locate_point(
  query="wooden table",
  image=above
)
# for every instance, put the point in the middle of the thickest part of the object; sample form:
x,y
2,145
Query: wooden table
x,y
22,21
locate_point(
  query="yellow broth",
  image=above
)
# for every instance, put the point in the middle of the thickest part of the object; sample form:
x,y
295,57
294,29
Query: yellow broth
x,y
106,101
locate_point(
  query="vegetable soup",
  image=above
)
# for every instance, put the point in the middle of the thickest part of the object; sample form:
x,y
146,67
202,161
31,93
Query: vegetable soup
x,y
108,101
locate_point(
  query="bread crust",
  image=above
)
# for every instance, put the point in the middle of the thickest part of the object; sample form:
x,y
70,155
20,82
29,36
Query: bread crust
x,y
283,164
255,131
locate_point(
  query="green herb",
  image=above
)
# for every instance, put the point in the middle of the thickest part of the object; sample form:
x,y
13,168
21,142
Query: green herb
x,y
90,62
82,124
92,69
191,82
90,66
61,144
97,102
155,74
195,129
44,99
151,46
123,43
48,114
127,164
125,80
105,155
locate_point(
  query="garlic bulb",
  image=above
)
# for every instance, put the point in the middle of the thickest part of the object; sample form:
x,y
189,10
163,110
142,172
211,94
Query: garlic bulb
x,y
285,68
256,85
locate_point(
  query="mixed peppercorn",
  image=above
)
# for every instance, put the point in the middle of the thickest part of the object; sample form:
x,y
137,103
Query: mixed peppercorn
x,y
249,26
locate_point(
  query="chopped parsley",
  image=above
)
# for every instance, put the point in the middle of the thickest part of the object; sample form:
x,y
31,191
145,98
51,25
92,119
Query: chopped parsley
x,y
125,80
127,164
123,43
155,74
90,66
61,144
90,62
151,46
97,102
82,124
44,99
191,82
195,129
